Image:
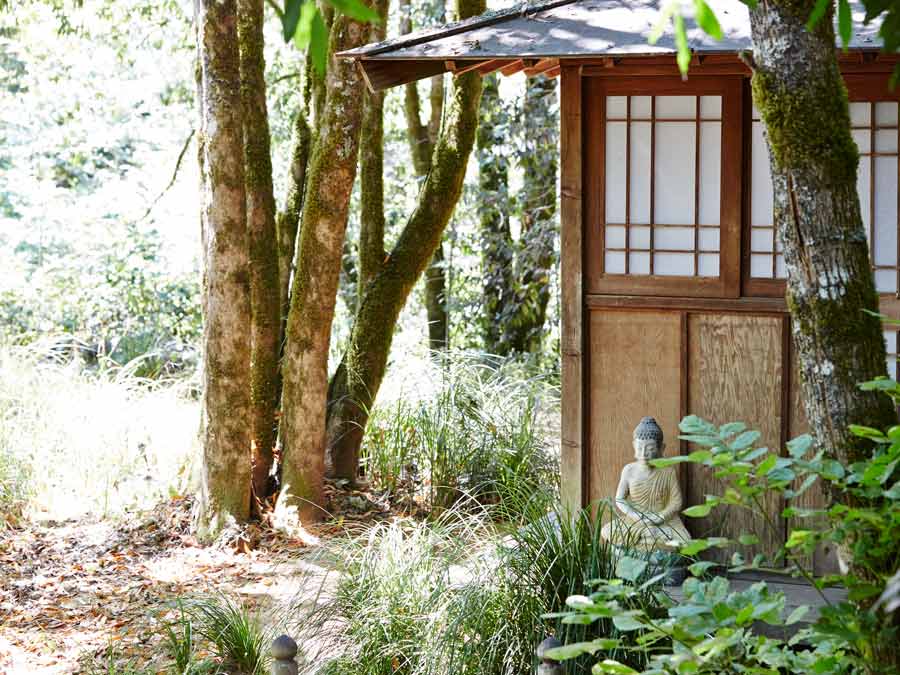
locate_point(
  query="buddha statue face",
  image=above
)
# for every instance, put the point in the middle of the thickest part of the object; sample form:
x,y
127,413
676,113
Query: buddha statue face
x,y
648,440
647,449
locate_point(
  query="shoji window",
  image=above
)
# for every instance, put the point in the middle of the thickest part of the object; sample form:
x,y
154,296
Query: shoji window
x,y
874,126
663,158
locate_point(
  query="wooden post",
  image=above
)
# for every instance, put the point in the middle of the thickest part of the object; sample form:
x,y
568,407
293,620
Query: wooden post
x,y
283,651
548,666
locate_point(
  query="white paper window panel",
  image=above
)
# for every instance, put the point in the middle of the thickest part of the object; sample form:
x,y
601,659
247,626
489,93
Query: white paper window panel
x,y
640,107
614,262
886,140
885,229
762,197
616,107
890,341
674,171
615,236
859,114
762,240
761,265
710,172
673,264
674,238
639,237
676,107
863,139
862,189
709,239
639,262
780,268
615,172
710,107
886,281
639,194
886,113
891,363
708,265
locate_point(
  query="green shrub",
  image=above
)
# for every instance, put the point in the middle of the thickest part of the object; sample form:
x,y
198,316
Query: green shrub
x,y
479,434
238,637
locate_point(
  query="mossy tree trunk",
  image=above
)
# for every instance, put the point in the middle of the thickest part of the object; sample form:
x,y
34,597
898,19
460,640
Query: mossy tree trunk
x,y
265,309
422,137
226,341
330,177
496,237
797,86
355,384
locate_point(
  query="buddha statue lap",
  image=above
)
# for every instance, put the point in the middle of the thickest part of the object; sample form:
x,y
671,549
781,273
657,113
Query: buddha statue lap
x,y
648,499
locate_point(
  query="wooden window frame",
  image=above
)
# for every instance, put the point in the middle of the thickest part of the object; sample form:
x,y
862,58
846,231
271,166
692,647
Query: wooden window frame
x,y
862,87
727,284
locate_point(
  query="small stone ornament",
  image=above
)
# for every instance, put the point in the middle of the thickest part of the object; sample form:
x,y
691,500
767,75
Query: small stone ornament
x,y
283,651
548,666
648,499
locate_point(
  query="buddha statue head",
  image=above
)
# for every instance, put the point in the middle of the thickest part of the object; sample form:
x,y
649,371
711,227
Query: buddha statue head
x,y
647,440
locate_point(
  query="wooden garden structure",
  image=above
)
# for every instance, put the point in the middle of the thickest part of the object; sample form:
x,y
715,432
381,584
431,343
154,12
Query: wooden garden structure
x,y
672,277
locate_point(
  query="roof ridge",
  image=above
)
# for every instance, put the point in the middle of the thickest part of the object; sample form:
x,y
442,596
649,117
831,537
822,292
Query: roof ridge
x,y
427,34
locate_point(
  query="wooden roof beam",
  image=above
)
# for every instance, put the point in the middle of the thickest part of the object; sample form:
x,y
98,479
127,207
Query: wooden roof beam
x,y
513,68
553,72
541,66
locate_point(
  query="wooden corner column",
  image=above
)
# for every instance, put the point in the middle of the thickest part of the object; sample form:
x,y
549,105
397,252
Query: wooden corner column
x,y
574,473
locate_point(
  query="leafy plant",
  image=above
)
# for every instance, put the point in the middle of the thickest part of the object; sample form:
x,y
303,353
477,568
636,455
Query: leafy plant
x,y
711,630
238,637
180,643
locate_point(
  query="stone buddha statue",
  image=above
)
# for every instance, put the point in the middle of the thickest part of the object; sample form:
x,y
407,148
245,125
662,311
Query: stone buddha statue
x,y
648,499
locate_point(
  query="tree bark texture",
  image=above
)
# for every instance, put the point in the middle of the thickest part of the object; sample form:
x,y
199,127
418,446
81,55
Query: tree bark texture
x,y
496,237
226,355
355,384
265,309
331,174
436,301
289,219
798,88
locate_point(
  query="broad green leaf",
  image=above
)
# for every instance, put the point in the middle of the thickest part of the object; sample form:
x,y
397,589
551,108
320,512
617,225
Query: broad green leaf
x,y
700,568
318,45
744,616
681,43
766,465
745,440
614,667
706,19
625,622
798,538
728,430
796,615
748,539
303,34
356,9
290,17
660,27
797,447
570,651
629,568
868,432
700,510
669,461
845,23
817,13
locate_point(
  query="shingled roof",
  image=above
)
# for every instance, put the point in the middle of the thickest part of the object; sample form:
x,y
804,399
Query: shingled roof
x,y
558,30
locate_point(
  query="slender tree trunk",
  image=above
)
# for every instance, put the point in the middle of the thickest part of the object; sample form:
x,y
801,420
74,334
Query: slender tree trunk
x,y
436,301
496,238
371,178
289,219
331,173
226,354
537,250
797,86
265,311
357,380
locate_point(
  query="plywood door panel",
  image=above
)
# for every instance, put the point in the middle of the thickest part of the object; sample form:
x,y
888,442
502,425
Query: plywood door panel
x,y
735,374
635,362
824,559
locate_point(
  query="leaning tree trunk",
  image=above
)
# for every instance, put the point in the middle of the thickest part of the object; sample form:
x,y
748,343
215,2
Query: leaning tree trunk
x,y
226,303
357,380
495,235
265,309
797,86
330,177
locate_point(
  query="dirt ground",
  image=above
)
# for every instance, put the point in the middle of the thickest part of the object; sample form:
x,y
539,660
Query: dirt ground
x,y
74,591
